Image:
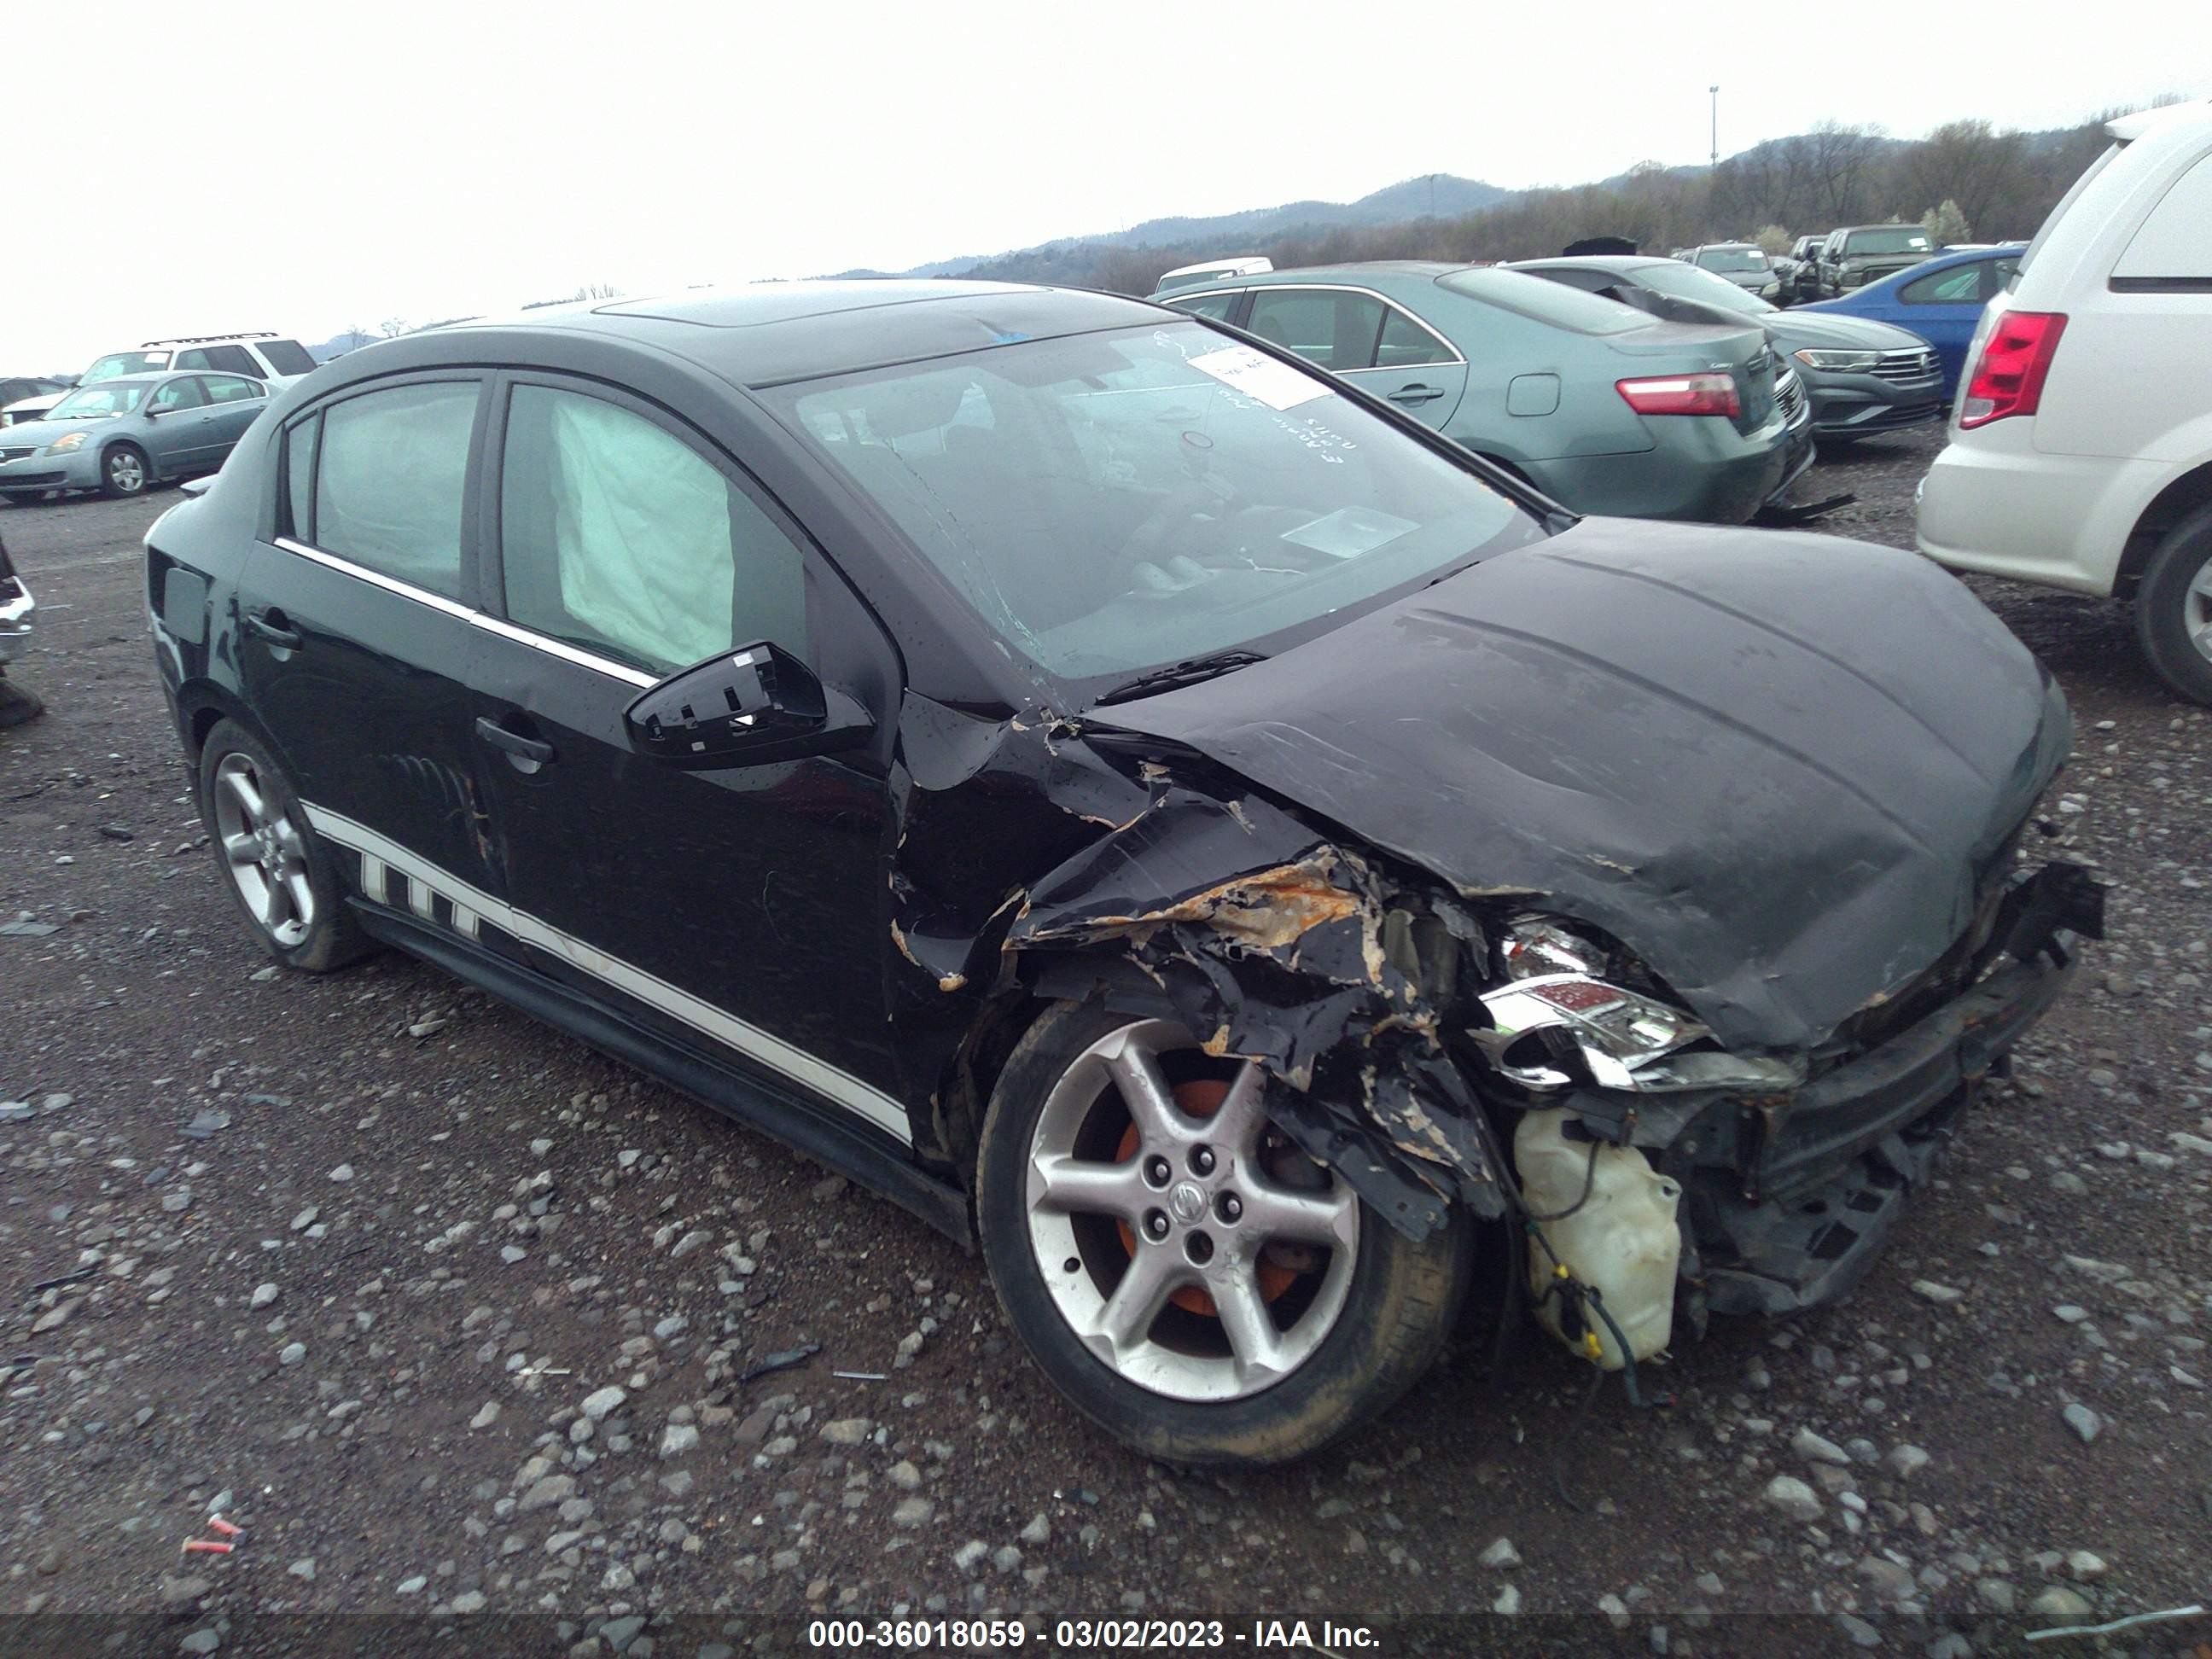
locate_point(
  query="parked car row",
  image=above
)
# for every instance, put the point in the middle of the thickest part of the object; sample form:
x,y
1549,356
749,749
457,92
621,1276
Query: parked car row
x,y
156,422
1604,407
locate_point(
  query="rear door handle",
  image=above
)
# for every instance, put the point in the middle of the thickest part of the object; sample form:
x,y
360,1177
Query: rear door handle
x,y
1416,393
527,750
270,625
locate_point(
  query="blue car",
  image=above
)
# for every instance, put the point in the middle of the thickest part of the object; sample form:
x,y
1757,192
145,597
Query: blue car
x,y
1940,300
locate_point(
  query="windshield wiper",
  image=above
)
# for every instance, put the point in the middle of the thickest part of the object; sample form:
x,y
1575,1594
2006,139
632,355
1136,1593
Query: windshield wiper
x,y
1187,672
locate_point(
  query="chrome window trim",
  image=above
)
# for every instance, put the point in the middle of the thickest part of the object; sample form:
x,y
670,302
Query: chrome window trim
x,y
454,608
383,858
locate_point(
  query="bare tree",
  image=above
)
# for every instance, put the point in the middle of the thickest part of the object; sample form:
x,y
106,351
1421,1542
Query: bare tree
x,y
392,327
597,291
1984,173
1842,162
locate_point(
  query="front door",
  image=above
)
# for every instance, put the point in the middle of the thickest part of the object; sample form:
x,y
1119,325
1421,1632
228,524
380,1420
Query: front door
x,y
233,405
740,913
181,426
357,631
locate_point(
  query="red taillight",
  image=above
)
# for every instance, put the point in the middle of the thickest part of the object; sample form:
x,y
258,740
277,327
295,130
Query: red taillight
x,y
1681,394
2015,360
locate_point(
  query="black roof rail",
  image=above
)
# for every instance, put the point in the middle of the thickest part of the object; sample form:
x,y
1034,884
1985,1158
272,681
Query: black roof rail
x,y
203,339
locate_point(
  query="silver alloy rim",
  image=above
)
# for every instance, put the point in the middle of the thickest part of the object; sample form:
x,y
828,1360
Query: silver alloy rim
x,y
123,467
2197,609
265,853
1200,1204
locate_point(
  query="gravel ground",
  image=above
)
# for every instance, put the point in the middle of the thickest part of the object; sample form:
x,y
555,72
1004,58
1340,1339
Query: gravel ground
x,y
454,1316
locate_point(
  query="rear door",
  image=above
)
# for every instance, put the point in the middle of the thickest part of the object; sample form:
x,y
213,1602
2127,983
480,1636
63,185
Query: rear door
x,y
741,913
233,405
360,622
1379,347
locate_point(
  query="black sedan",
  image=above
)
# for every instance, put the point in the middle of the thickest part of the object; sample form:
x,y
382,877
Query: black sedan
x,y
1862,376
1138,803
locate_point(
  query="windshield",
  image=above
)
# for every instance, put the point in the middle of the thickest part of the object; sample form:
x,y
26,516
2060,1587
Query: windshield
x,y
125,362
1732,259
90,401
1119,500
1690,283
1899,239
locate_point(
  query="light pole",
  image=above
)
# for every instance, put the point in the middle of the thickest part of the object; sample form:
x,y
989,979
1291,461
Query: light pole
x,y
1716,155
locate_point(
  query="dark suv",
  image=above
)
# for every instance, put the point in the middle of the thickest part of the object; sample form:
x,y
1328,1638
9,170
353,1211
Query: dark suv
x,y
1140,802
1852,258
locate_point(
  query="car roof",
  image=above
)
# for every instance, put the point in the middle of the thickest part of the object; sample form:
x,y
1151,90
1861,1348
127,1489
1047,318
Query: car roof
x,y
770,333
148,377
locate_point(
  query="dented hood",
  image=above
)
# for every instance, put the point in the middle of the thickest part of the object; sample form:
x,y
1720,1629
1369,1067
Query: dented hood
x,y
1782,767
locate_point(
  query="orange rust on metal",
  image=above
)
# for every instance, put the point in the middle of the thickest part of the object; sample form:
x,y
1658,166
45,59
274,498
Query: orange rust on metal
x,y
898,937
1268,908
952,981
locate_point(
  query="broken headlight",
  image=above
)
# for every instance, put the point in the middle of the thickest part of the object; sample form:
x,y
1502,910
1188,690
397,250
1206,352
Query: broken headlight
x,y
1560,1019
1617,1032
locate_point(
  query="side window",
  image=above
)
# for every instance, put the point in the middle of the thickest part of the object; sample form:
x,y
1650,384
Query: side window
x,y
390,478
186,392
1406,344
298,514
195,358
1216,306
619,536
1962,285
1335,331
2002,271
2175,242
229,389
233,360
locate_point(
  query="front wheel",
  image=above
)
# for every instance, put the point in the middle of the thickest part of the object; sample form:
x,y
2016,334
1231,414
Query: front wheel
x,y
123,471
2173,607
1186,1276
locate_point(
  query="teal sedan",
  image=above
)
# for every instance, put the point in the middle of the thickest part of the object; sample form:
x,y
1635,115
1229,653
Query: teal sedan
x,y
1601,406
125,435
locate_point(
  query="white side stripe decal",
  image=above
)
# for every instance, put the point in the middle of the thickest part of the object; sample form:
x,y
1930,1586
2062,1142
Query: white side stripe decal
x,y
471,907
420,899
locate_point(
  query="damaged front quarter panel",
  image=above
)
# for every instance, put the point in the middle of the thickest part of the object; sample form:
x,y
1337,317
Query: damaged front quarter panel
x,y
1276,945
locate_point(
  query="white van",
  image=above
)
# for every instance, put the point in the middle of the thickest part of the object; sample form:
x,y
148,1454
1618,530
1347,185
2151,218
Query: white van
x,y
2080,451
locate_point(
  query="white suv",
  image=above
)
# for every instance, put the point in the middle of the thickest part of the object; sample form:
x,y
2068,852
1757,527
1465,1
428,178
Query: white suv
x,y
2080,452
269,357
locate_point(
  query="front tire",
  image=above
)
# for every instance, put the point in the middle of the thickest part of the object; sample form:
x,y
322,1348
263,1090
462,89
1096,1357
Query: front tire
x,y
1183,1274
123,471
277,873
2173,607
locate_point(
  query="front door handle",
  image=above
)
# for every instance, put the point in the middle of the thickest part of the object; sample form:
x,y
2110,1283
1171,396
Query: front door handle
x,y
271,625
1416,393
528,754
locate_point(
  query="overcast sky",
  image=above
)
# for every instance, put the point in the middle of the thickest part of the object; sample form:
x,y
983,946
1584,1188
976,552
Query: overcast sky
x,y
189,169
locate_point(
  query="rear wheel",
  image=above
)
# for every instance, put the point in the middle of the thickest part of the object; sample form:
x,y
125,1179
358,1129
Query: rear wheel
x,y
2173,607
123,471
1186,1276
278,873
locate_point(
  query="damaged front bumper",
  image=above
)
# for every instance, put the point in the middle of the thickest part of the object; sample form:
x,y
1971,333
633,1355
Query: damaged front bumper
x,y
1788,1197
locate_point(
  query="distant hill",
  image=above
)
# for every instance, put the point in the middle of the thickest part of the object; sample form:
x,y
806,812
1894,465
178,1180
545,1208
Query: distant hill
x,y
1441,195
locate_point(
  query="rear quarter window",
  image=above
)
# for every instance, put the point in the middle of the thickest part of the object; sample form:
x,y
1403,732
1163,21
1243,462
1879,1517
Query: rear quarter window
x,y
1543,301
288,357
2174,244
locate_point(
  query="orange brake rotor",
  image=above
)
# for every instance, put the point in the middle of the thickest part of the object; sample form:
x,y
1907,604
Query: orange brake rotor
x,y
1201,1097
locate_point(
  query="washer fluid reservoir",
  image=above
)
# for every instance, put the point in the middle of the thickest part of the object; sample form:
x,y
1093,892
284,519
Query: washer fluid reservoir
x,y
1623,1239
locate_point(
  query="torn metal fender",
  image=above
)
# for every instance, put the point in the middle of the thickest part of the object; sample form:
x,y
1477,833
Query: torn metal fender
x,y
1268,942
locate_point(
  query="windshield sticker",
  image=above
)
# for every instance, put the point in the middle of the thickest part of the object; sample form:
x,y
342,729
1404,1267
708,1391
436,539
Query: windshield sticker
x,y
1349,531
1257,375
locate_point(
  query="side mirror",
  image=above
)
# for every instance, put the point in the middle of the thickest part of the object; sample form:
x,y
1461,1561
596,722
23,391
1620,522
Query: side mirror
x,y
152,411
744,707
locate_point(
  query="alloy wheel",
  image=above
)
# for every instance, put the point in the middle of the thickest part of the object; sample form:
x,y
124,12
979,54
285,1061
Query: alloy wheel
x,y
126,473
2197,609
265,853
1189,1244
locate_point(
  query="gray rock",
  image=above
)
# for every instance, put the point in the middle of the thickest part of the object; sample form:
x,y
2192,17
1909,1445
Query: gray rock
x,y
411,1586
1793,1497
847,1430
1885,1577
342,1174
1807,1444
674,1326
546,1492
2068,1606
303,1568
291,1353
597,1404
201,1641
1905,1462
2083,1421
1037,1533
678,1438
1508,1601
468,1602
1997,1593
2067,1313
620,1633
970,1555
1863,1634
2085,1566
1004,1559
1943,1296
913,1512
1614,1609
1500,1556
262,1296
487,1414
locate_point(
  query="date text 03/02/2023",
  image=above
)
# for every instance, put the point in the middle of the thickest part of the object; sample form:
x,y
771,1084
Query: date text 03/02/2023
x,y
1088,1635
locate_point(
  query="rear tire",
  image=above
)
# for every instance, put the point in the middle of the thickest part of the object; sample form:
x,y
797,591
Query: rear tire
x,y
1265,1350
2173,607
276,869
